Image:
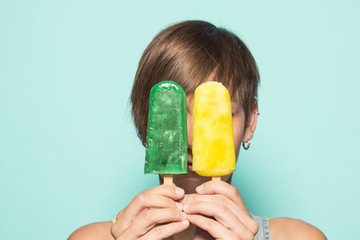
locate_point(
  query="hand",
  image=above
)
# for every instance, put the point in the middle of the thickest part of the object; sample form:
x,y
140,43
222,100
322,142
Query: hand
x,y
219,209
152,214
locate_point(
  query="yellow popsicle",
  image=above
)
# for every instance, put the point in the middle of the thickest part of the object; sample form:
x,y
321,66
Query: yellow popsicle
x,y
213,138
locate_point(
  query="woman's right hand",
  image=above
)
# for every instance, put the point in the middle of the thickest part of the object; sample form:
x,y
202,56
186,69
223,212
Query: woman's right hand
x,y
152,214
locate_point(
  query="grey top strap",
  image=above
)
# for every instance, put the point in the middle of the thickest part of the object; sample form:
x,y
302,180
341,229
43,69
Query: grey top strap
x,y
264,229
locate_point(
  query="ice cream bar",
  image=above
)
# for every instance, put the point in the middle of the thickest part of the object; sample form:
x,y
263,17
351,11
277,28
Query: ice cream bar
x,y
213,141
166,139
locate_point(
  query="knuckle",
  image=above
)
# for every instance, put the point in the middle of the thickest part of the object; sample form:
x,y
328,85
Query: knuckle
x,y
253,226
147,215
140,198
210,225
158,231
233,190
223,208
221,199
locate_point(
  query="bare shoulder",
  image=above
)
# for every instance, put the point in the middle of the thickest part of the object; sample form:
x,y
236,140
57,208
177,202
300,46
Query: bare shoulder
x,y
98,231
295,229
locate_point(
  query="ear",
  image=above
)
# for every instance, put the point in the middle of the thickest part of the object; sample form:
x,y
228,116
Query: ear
x,y
251,123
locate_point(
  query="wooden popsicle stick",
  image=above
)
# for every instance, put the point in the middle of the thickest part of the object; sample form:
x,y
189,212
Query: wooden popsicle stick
x,y
217,178
168,179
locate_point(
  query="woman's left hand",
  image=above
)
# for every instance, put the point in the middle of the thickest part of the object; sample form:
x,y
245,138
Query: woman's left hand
x,y
218,208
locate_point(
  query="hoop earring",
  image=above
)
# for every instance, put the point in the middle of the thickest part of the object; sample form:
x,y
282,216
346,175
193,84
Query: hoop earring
x,y
246,147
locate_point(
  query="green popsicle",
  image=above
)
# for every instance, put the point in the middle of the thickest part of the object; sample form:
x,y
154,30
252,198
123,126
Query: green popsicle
x,y
166,139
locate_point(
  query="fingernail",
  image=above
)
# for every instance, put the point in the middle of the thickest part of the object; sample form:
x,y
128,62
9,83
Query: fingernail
x,y
199,189
179,206
184,215
179,191
185,222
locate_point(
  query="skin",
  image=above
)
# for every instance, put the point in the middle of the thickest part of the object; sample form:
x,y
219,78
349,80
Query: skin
x,y
196,208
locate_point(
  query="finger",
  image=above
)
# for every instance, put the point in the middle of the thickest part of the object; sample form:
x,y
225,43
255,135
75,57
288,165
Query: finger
x,y
166,230
232,193
139,203
149,218
218,198
220,212
242,214
221,187
172,192
158,197
214,228
214,198
144,199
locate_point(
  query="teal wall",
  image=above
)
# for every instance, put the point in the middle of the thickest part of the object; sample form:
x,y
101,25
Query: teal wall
x,y
69,154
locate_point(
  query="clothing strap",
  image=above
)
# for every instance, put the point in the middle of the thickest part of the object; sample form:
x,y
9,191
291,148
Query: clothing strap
x,y
264,229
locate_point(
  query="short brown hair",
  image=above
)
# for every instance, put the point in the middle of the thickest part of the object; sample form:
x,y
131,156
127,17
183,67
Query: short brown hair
x,y
188,53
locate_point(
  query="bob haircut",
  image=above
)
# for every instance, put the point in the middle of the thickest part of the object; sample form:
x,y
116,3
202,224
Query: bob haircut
x,y
188,53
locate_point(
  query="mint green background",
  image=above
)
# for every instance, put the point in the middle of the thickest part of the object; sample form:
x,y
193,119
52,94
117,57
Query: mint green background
x,y
69,154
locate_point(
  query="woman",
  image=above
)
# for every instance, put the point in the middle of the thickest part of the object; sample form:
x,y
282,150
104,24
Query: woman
x,y
190,53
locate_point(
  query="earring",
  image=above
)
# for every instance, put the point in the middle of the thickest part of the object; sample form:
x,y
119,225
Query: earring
x,y
257,113
246,147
